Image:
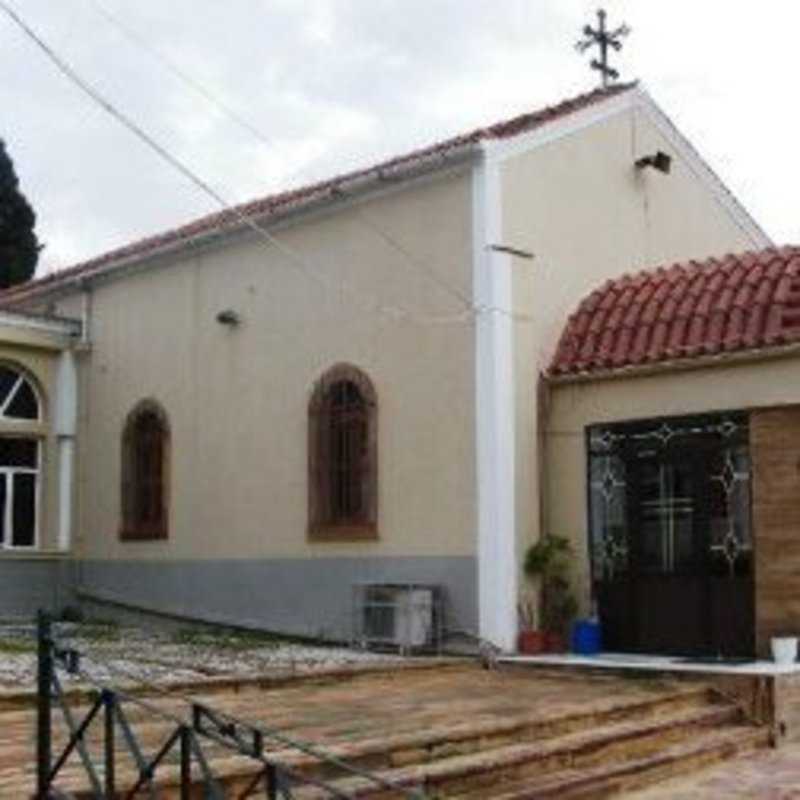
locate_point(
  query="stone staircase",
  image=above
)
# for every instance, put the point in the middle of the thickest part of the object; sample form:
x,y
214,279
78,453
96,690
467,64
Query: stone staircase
x,y
451,733
597,754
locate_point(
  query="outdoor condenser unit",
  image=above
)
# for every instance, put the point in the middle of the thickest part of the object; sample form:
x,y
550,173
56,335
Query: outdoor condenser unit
x,y
405,616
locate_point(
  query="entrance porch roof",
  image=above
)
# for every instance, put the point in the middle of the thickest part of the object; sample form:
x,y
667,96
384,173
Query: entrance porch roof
x,y
683,312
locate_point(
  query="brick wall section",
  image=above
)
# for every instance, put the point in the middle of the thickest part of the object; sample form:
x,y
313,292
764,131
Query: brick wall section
x,y
775,452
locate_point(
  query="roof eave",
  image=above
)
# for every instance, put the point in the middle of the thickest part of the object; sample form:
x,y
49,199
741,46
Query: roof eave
x,y
350,189
731,357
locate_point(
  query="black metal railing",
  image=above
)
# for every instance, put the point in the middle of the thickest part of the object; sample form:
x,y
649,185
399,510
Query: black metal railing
x,y
183,742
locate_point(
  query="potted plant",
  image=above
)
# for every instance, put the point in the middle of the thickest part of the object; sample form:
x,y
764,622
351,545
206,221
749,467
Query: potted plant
x,y
548,564
531,639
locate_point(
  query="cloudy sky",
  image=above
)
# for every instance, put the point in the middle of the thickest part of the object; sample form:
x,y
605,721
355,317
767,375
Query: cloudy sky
x,y
315,87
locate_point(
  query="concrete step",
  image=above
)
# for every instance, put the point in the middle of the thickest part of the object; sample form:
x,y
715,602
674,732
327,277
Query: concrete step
x,y
482,749
466,737
696,704
465,752
607,780
371,752
617,743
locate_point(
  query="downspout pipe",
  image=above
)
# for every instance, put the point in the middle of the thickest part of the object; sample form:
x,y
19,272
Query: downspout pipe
x,y
65,427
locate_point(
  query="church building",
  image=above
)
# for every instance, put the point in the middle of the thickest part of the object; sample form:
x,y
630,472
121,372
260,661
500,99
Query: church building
x,y
406,375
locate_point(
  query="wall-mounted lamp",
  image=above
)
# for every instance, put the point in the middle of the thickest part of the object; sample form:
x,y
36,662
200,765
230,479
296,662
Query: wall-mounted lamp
x,y
660,161
228,317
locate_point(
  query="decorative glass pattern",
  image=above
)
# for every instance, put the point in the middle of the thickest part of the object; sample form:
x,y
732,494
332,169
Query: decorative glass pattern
x,y
674,502
608,515
730,541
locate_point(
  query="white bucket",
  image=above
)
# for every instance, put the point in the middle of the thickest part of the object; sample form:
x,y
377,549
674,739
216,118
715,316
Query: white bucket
x,y
784,649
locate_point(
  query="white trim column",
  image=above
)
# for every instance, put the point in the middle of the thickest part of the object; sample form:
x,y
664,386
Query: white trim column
x,y
65,426
494,414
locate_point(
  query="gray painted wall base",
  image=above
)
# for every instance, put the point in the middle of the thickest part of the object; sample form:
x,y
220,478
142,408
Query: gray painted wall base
x,y
305,597
27,585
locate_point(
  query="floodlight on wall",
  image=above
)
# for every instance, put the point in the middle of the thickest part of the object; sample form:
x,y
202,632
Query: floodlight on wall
x,y
659,161
228,317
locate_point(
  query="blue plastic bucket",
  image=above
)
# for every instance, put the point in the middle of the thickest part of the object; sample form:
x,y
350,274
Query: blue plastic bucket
x,y
586,638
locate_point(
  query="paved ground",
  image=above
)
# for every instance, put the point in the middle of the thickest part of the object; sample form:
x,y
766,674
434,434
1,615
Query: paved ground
x,y
767,775
132,655
335,713
389,703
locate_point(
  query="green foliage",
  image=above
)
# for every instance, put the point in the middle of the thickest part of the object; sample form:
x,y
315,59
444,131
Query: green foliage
x,y
549,558
549,561
225,639
15,646
19,247
100,632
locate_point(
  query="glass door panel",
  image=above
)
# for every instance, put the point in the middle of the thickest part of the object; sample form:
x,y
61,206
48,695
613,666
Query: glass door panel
x,y
666,518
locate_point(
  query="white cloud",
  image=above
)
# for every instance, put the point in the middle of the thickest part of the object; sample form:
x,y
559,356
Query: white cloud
x,y
338,83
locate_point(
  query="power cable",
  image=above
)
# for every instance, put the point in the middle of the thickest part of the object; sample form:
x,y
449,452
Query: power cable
x,y
246,125
178,72
66,69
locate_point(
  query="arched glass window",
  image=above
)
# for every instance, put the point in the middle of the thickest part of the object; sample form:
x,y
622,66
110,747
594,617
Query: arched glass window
x,y
20,457
343,463
18,399
145,470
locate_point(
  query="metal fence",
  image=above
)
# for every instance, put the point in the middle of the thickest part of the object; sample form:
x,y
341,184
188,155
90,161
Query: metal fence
x,y
186,743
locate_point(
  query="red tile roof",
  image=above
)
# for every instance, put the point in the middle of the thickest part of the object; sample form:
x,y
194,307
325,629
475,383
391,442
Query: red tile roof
x,y
280,204
739,302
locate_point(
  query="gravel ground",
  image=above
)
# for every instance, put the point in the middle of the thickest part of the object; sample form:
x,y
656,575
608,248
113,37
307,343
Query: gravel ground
x,y
126,655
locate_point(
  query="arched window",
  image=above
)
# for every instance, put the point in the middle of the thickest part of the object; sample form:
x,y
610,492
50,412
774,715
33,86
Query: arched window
x,y
343,463
20,455
18,398
145,471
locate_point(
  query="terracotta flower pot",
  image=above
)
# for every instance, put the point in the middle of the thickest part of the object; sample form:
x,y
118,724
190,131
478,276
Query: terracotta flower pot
x,y
531,642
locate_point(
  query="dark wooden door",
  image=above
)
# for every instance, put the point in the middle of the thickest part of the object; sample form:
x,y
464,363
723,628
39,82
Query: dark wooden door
x,y
685,585
668,553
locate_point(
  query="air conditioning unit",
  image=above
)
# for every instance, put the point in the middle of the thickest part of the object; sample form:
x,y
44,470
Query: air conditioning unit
x,y
402,616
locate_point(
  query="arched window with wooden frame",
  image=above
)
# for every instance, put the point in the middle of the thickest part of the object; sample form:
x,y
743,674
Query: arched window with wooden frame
x,y
145,473
343,456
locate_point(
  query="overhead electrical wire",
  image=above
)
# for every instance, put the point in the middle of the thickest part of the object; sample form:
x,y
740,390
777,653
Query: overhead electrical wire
x,y
295,258
395,312
248,126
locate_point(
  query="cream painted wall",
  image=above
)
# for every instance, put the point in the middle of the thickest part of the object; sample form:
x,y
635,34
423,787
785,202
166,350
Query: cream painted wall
x,y
573,406
237,398
579,205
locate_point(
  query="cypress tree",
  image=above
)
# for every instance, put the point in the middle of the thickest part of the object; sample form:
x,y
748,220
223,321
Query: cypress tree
x,y
19,247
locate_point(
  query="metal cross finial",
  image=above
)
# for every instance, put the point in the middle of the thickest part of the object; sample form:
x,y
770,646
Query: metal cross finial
x,y
604,39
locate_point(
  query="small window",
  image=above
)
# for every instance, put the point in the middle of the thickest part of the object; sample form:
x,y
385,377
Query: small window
x,y
343,476
145,469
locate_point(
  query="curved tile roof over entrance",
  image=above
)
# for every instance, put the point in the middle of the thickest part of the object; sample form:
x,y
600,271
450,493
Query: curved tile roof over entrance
x,y
738,302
